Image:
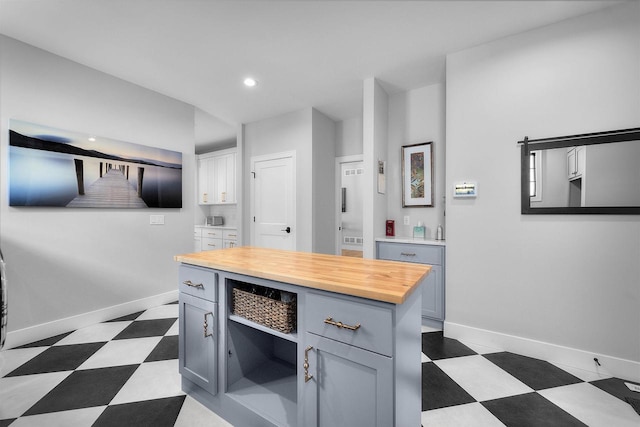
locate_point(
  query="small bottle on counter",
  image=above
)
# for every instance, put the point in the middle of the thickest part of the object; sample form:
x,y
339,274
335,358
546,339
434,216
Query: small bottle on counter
x,y
439,233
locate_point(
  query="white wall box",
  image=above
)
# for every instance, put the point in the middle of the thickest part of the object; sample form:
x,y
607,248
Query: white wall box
x,y
217,177
433,287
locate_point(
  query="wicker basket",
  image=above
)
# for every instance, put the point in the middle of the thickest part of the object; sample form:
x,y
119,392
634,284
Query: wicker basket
x,y
268,312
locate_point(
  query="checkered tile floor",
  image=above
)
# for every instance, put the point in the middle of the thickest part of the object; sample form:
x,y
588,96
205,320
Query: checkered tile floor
x,y
125,373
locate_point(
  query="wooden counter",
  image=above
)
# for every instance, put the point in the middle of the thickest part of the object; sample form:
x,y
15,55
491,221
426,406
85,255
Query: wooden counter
x,y
386,281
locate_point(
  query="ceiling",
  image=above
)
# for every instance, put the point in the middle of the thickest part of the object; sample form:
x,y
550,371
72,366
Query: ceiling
x,y
303,53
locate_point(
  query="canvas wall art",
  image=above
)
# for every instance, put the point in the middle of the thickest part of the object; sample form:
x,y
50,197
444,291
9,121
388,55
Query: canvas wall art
x,y
58,168
417,175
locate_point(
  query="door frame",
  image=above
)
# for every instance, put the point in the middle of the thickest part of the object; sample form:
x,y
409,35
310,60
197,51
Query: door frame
x,y
338,193
252,207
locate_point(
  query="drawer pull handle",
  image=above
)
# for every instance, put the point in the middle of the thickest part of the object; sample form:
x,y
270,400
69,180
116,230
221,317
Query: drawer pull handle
x,y
307,377
330,321
206,325
193,285
407,254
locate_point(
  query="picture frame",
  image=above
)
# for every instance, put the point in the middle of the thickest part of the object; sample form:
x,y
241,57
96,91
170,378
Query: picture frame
x,y
417,175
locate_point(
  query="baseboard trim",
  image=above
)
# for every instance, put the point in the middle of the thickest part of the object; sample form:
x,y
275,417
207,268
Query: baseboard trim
x,y
610,366
57,327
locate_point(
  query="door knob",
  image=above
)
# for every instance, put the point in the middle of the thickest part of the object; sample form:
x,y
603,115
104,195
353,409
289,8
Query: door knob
x,y
288,230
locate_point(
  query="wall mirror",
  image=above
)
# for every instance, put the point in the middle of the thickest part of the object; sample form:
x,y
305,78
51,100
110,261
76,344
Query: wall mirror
x,y
596,173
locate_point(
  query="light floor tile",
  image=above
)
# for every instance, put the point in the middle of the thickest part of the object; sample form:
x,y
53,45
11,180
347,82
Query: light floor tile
x,y
100,332
429,329
162,312
424,358
480,378
18,394
153,380
470,414
592,406
193,414
481,349
76,418
12,359
173,330
582,374
121,352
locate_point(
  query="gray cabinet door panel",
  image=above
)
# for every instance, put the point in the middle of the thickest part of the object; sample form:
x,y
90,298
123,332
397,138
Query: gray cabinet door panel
x,y
198,342
350,386
433,294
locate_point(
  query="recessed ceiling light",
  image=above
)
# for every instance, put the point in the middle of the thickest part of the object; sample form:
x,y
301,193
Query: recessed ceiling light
x,y
250,82
92,139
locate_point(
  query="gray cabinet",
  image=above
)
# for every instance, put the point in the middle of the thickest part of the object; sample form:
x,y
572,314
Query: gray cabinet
x,y
197,337
433,288
350,386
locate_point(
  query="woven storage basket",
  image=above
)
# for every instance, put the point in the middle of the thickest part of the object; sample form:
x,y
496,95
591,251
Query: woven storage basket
x,y
271,313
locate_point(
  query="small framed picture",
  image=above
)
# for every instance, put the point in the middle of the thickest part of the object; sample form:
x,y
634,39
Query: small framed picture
x,y
417,175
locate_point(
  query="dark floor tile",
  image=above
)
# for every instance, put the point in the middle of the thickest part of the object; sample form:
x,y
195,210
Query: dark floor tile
x,y
146,328
84,389
530,410
5,423
616,387
166,349
148,413
439,390
537,374
133,316
46,342
436,346
57,359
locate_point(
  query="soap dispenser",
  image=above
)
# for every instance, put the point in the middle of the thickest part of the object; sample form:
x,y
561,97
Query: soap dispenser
x,y
439,233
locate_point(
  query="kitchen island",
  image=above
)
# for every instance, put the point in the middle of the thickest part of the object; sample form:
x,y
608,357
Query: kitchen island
x,y
280,338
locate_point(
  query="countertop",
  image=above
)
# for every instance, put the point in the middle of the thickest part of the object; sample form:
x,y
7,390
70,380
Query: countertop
x,y
387,281
411,240
226,227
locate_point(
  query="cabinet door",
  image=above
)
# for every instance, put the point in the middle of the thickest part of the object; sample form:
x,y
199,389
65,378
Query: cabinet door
x,y
205,181
350,386
225,179
433,294
198,342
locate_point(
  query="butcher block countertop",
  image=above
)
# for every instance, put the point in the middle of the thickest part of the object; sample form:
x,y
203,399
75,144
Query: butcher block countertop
x,y
387,281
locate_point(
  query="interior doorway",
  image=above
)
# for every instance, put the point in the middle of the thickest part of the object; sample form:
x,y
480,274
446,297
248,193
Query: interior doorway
x,y
350,190
273,203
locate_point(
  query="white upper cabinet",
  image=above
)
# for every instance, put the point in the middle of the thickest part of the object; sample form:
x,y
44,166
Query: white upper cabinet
x,y
217,178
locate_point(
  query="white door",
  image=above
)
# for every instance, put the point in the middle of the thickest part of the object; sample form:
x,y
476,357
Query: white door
x,y
350,206
273,201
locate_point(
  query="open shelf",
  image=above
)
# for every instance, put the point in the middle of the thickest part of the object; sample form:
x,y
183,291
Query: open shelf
x,y
239,319
261,370
269,390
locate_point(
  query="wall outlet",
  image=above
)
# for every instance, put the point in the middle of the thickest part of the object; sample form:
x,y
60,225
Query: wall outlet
x,y
407,220
156,219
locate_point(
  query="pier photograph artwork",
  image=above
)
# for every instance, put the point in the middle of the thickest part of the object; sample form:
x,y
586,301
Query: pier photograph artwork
x,y
59,168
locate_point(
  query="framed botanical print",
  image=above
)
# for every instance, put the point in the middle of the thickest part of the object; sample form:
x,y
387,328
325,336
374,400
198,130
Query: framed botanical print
x,y
417,175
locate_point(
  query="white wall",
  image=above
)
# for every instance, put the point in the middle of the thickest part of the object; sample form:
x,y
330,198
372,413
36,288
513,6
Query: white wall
x,y
324,185
375,121
565,286
349,137
416,116
63,263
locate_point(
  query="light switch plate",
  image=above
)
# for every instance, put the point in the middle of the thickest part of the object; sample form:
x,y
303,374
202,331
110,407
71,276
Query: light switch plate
x,y
156,219
406,220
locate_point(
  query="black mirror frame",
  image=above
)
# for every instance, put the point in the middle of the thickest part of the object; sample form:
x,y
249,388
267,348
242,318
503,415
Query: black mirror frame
x,y
529,145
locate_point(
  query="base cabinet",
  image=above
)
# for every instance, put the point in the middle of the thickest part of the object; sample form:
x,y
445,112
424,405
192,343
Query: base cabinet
x,y
349,386
197,342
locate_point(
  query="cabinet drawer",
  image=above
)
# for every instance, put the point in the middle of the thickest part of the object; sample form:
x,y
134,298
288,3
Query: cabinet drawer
x,y
214,233
230,234
197,281
423,254
209,244
376,323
